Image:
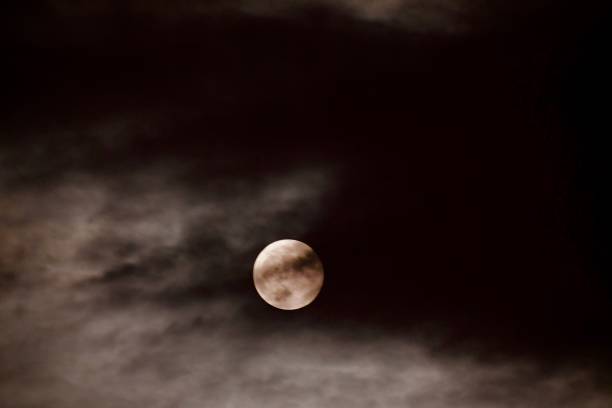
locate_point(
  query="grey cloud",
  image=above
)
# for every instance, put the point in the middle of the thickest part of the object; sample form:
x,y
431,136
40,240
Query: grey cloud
x,y
79,240
92,260
87,226
415,15
147,356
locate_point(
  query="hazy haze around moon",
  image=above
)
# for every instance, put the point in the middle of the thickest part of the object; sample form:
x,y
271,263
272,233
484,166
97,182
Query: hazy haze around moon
x,y
288,274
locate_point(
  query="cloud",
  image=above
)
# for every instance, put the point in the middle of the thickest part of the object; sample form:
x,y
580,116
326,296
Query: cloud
x,y
163,358
97,225
93,262
419,16
134,289
414,15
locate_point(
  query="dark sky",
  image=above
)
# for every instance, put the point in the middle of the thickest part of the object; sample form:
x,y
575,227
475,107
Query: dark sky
x,y
446,159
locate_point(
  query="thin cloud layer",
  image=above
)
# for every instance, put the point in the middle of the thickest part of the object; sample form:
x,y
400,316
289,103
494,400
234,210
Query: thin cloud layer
x,y
135,289
91,262
414,15
144,354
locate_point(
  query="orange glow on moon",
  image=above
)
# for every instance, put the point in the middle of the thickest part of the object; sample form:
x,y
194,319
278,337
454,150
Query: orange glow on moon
x,y
288,274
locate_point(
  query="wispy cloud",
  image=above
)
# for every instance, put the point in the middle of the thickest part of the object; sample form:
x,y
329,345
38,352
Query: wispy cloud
x,y
134,289
414,15
89,258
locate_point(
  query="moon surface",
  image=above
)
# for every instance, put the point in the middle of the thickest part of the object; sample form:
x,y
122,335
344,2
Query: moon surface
x,y
288,274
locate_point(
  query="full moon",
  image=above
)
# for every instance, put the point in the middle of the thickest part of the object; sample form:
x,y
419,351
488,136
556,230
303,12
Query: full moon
x,y
288,274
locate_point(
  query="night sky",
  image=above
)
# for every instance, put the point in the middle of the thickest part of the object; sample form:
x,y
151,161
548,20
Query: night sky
x,y
446,159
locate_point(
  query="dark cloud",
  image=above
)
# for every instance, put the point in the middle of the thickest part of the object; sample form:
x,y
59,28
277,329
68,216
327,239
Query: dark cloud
x,y
134,290
308,260
436,15
90,250
150,151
